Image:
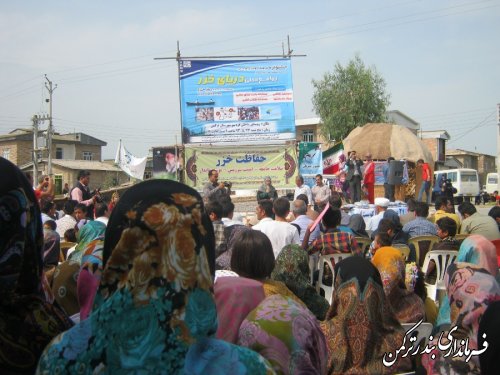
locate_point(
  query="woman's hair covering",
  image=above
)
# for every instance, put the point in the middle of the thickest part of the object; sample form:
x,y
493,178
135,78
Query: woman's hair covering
x,y
361,326
154,310
27,320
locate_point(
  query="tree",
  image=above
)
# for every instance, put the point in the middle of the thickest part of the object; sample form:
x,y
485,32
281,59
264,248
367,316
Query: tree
x,y
351,96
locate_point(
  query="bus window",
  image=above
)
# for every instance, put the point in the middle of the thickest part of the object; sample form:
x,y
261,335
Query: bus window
x,y
452,176
492,180
468,177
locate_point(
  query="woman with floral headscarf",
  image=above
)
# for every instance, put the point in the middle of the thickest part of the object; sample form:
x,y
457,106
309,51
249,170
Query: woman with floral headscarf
x,y
478,250
28,321
154,311
407,306
64,284
360,327
287,334
292,268
471,289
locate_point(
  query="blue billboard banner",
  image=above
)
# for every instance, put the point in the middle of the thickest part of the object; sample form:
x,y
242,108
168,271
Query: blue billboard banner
x,y
242,101
310,158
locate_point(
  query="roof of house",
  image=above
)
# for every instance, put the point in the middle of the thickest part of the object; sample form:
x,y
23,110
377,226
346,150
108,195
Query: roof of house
x,y
27,134
307,121
439,134
465,152
395,112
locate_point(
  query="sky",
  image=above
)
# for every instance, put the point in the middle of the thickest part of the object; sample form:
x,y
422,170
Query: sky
x,y
440,60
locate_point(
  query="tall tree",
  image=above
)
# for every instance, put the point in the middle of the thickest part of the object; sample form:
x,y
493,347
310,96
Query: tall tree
x,y
348,97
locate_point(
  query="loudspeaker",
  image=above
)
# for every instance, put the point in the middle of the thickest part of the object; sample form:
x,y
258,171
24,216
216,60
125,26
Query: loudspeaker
x,y
396,168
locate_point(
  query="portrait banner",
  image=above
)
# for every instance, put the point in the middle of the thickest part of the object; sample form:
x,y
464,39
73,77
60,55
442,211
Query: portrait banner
x,y
310,158
244,167
244,101
165,163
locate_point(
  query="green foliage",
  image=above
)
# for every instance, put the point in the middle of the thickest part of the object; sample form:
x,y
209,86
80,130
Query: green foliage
x,y
348,97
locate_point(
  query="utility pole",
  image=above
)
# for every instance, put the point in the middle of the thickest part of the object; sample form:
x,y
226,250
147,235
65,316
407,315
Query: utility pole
x,y
50,130
35,149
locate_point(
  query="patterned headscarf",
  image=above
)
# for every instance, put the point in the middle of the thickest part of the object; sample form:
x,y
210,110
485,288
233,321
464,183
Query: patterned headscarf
x,y
471,289
89,276
235,297
287,334
292,268
360,326
407,306
91,231
154,311
27,320
478,250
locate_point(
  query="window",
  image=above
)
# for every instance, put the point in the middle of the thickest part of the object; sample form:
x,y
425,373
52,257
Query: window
x,y
452,176
59,153
87,155
58,182
468,177
148,175
6,154
307,135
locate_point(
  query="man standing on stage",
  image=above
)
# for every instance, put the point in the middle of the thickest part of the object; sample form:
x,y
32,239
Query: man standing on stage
x,y
426,181
369,177
354,176
213,189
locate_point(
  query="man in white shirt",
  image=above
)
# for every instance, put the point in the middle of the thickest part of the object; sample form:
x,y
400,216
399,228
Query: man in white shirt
x,y
320,193
101,212
279,232
302,189
68,221
381,205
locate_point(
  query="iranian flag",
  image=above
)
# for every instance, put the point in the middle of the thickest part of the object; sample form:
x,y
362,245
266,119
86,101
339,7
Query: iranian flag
x,y
331,160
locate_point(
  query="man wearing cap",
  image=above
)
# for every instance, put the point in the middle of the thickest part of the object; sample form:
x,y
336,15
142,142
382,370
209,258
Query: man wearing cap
x,y
369,177
381,205
81,192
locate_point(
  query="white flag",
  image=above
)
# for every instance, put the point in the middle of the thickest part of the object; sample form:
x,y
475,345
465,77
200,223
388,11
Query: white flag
x,y
131,165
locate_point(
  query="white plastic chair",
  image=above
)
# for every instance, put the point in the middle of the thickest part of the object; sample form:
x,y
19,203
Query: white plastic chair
x,y
327,259
442,259
404,249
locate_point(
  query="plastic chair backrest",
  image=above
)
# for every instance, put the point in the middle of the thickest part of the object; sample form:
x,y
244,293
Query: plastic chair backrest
x,y
461,236
327,289
422,244
64,247
405,250
442,259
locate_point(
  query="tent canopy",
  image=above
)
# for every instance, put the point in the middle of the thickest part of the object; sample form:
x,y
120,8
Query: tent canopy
x,y
384,140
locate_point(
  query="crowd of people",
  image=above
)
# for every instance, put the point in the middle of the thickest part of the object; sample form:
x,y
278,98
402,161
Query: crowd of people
x,y
164,281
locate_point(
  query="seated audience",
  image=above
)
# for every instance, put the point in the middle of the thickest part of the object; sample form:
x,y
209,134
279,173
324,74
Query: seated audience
x,y
420,226
410,215
444,208
358,225
495,214
299,210
267,190
311,214
68,221
477,250
360,327
28,318
407,306
214,212
101,212
475,223
51,246
470,290
381,205
279,231
446,231
154,310
235,298
292,268
253,258
333,240
287,334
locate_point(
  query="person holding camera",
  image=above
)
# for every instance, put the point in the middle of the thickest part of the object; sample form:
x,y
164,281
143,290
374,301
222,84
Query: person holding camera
x,y
213,189
354,176
81,193
44,192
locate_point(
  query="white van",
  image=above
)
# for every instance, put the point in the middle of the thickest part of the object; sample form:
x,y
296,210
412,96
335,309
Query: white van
x,y
491,183
466,181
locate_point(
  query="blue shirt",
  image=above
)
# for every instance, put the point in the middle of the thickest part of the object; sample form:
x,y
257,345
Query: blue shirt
x,y
385,171
303,221
420,227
